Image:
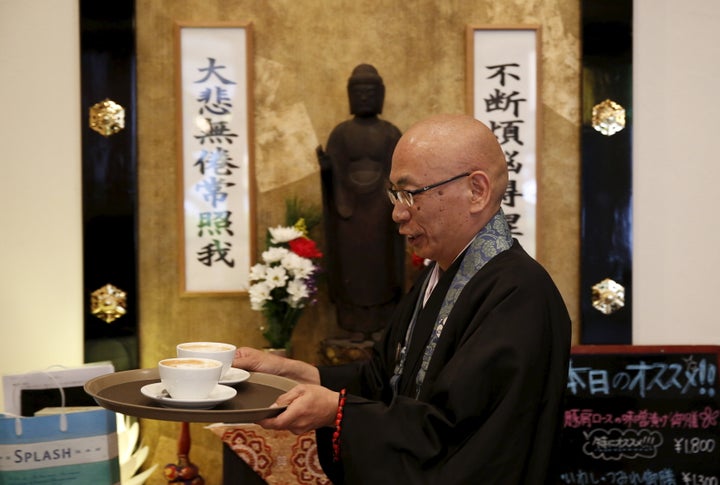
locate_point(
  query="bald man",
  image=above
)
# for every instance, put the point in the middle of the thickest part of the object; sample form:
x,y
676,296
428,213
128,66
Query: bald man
x,y
466,386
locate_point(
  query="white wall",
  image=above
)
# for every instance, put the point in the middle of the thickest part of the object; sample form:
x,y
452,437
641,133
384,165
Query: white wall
x,y
676,250
41,317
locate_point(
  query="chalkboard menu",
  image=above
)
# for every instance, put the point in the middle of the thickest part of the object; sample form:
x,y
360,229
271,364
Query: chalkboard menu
x,y
641,415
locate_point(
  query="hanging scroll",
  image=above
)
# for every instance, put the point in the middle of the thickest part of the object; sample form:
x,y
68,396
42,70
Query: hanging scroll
x,y
215,171
502,91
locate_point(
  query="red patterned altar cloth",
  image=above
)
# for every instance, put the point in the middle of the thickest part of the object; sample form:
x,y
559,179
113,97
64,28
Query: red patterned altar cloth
x,y
279,457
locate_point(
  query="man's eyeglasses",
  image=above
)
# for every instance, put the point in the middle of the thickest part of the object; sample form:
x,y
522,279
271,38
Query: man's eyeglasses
x,y
406,196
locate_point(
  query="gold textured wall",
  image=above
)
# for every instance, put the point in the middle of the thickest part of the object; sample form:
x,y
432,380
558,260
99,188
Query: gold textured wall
x,y
303,54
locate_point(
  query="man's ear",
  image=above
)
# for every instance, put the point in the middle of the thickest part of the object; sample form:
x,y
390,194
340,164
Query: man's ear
x,y
480,189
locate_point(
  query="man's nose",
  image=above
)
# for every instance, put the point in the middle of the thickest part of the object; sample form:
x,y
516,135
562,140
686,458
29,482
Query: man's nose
x,y
400,212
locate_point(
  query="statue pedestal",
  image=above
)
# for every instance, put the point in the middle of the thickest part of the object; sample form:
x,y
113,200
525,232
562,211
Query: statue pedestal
x,y
341,351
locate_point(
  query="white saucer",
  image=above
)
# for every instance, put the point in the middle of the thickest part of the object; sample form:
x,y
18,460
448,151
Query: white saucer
x,y
157,393
234,376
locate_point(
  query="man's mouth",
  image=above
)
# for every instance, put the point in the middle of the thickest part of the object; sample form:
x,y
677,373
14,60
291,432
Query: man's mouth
x,y
408,235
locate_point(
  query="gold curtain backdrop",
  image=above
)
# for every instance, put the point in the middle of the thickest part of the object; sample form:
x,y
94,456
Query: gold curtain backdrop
x,y
303,55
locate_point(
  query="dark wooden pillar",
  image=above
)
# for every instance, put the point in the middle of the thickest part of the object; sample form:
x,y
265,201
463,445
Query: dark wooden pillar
x,y
606,169
109,183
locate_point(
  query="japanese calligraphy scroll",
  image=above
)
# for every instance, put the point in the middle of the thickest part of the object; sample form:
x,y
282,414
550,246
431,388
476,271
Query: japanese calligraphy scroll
x,y
216,182
642,415
502,91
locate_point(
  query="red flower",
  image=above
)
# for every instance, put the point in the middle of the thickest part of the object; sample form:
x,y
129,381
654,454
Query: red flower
x,y
417,261
305,247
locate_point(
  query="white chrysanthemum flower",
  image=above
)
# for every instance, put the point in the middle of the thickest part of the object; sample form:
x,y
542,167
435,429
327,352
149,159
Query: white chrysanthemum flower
x,y
274,255
276,276
257,272
297,293
298,266
259,293
283,234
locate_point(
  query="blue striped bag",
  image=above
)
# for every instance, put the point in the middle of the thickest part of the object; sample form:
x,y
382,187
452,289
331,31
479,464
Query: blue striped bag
x,y
60,449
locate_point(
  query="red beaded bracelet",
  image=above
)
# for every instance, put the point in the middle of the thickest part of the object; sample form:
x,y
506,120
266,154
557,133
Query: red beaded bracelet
x,y
338,425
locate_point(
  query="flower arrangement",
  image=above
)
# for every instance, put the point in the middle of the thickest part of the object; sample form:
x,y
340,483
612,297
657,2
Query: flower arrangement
x,y
285,281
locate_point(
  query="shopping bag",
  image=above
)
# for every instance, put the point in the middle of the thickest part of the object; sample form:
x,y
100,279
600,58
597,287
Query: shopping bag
x,y
78,448
31,391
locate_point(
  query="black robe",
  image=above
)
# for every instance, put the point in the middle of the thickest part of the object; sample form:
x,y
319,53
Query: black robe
x,y
490,408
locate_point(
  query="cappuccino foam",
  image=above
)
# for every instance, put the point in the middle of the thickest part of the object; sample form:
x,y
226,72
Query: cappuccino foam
x,y
189,364
206,347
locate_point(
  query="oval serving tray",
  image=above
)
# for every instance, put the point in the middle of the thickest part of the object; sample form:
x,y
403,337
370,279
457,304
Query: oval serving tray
x,y
120,392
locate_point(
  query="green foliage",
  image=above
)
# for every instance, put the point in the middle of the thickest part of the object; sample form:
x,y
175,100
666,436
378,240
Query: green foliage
x,y
295,209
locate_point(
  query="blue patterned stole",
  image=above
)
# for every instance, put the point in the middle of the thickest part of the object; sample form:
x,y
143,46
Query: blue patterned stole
x,y
492,239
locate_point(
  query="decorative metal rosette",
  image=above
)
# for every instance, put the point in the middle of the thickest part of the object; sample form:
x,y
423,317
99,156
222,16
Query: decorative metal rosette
x,y
107,117
608,117
608,296
108,303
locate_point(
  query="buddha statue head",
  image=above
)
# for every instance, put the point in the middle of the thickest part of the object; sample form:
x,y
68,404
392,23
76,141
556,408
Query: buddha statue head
x,y
366,91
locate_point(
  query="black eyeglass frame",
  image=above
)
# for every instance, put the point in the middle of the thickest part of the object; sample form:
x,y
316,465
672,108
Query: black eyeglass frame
x,y
393,194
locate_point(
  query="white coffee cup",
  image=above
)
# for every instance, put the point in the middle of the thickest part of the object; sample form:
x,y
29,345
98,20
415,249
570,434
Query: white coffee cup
x,y
223,352
188,378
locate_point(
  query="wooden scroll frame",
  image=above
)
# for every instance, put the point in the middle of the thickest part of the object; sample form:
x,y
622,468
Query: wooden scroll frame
x,y
216,179
503,85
